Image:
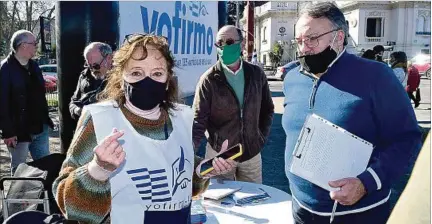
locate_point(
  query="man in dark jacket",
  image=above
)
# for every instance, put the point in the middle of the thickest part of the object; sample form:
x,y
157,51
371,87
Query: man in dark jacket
x,y
379,52
24,117
233,102
98,58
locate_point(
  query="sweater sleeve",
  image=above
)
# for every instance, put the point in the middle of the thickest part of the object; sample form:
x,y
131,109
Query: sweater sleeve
x,y
80,196
199,185
399,135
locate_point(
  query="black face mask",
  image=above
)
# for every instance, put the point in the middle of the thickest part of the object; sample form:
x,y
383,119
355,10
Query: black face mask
x,y
145,94
379,58
318,63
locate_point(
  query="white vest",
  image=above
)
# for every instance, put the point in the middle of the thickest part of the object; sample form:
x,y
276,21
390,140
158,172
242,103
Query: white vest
x,y
157,174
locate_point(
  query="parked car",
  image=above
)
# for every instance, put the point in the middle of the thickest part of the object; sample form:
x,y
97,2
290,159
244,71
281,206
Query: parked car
x,y
423,64
283,70
50,83
50,70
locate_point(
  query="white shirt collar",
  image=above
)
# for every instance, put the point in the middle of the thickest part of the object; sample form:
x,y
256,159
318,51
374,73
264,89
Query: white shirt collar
x,y
229,70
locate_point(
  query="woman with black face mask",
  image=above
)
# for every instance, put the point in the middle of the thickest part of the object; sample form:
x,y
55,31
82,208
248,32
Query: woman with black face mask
x,y
132,157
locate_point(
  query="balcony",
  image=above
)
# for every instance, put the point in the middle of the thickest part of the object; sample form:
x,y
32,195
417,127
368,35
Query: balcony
x,y
275,6
423,33
374,39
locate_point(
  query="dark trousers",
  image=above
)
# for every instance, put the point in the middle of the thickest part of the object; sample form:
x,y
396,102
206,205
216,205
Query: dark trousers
x,y
413,98
377,215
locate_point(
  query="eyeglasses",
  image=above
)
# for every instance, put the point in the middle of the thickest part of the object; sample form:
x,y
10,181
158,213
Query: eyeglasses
x,y
221,43
312,42
130,38
95,66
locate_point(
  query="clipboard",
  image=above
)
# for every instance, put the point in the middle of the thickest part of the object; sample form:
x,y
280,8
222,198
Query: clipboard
x,y
326,152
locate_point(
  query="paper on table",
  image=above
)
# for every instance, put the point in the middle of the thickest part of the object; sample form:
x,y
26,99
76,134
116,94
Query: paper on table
x,y
325,152
217,191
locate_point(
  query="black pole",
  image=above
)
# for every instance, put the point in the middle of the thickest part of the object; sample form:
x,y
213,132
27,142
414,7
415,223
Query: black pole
x,y
222,13
78,24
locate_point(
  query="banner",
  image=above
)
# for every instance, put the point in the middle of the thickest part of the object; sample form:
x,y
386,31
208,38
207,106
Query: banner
x,y
45,34
190,27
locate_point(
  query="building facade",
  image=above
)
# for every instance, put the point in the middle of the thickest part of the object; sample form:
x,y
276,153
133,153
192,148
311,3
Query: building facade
x,y
405,26
398,25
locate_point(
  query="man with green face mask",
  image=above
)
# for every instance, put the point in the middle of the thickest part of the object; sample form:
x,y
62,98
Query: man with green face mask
x,y
233,101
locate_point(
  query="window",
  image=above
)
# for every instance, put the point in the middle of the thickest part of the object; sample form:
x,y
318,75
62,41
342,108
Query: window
x,y
264,35
425,51
423,25
420,24
375,27
264,59
49,69
427,25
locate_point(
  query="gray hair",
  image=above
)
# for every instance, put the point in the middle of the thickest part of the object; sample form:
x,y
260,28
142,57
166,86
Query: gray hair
x,y
331,12
18,38
104,49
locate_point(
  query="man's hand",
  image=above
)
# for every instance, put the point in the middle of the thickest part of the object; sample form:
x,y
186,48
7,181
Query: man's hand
x,y
11,142
221,166
351,191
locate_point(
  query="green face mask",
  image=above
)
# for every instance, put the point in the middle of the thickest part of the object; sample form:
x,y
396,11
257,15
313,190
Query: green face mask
x,y
229,53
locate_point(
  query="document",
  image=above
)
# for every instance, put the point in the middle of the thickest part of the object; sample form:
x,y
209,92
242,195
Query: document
x,y
217,191
325,152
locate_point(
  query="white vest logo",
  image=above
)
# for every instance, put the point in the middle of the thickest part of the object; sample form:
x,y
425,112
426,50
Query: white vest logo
x,y
152,184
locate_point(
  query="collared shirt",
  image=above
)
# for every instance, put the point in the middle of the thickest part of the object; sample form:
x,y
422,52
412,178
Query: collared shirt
x,y
227,69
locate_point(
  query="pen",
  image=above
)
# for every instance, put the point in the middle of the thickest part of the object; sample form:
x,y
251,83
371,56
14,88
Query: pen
x,y
333,211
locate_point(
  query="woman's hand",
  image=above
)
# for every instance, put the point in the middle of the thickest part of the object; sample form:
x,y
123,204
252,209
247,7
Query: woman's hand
x,y
109,153
220,166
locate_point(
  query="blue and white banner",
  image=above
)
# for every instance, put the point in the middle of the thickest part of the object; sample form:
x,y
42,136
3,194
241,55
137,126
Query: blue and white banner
x,y
190,27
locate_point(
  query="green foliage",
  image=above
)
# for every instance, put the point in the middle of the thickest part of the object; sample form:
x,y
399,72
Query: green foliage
x,y
276,54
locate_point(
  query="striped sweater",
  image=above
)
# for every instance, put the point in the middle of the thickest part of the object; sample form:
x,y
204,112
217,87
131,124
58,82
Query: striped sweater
x,y
85,199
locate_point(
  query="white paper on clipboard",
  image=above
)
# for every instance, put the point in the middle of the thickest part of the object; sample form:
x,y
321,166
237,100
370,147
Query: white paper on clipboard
x,y
325,152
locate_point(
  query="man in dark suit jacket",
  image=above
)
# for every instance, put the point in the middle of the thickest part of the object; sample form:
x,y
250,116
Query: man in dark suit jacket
x,y
24,116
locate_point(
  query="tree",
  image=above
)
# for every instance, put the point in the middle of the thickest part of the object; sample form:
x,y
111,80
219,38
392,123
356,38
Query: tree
x,y
16,15
276,54
232,11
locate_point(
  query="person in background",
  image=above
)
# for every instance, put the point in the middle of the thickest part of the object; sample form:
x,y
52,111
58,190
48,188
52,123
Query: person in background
x,y
361,96
24,115
98,61
379,52
413,83
143,170
233,101
369,54
398,62
254,58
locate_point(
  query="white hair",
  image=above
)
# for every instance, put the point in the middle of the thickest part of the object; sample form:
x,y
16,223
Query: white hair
x,y
103,48
18,38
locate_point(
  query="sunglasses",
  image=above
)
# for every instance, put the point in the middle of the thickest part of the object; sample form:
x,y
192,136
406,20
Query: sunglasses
x,y
227,42
130,38
95,66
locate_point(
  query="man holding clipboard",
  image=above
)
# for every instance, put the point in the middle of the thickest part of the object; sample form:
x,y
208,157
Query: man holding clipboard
x,y
361,98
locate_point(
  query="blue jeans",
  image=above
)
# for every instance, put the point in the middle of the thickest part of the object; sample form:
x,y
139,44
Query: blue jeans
x,y
39,147
377,215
